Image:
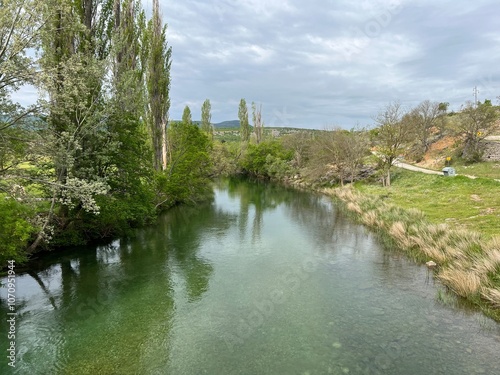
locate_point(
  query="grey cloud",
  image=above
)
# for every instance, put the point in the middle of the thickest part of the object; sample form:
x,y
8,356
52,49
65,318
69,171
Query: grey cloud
x,y
323,63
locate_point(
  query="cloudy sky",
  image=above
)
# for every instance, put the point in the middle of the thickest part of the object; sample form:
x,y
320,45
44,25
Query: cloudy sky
x,y
324,63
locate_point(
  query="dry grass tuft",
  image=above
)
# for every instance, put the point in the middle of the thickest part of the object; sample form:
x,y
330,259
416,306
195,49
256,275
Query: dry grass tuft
x,y
492,296
464,283
346,194
370,218
398,231
489,263
494,244
351,206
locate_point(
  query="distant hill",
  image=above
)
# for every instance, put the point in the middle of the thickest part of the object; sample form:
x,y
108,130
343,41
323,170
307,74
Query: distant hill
x,y
227,124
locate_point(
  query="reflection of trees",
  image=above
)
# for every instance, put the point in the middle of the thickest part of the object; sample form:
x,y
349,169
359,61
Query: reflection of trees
x,y
98,289
259,195
327,224
183,233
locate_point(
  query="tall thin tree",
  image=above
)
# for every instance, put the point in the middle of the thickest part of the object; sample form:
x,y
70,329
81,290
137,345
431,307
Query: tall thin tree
x,y
243,117
258,125
206,117
186,116
158,86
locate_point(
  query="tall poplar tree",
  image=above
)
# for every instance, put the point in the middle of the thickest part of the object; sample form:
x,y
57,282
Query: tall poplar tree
x,y
158,86
128,164
243,117
258,125
206,118
186,116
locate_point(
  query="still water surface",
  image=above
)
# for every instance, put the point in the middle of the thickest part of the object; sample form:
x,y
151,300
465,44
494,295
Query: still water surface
x,y
263,280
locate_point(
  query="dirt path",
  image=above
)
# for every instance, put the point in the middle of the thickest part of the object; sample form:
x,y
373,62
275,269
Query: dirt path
x,y
429,171
415,168
493,138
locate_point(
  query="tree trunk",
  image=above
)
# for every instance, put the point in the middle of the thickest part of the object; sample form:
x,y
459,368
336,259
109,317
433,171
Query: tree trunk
x,y
164,145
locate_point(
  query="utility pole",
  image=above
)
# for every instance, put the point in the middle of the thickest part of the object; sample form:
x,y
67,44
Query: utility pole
x,y
475,91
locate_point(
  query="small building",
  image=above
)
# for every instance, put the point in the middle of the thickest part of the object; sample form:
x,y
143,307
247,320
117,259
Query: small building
x,y
449,171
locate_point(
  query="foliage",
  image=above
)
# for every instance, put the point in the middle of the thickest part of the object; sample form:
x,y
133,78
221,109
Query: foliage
x,y
340,151
425,118
244,124
91,157
258,124
158,85
206,118
20,24
300,143
267,159
15,228
393,134
476,123
186,116
225,157
186,178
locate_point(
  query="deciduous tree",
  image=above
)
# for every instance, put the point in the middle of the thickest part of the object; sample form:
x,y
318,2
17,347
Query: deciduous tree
x,y
258,125
391,136
425,117
20,23
476,123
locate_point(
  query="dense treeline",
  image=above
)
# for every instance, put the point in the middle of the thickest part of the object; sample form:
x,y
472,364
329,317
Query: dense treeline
x,y
338,155
95,154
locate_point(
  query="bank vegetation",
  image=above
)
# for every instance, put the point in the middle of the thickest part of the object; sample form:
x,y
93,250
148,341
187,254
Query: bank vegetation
x,y
452,222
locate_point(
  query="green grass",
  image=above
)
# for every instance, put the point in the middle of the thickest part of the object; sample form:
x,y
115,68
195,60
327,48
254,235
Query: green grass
x,y
470,203
484,169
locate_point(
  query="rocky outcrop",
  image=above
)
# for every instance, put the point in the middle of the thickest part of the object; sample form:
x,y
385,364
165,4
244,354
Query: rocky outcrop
x,y
491,151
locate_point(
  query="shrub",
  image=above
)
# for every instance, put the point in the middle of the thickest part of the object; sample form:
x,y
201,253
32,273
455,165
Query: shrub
x,y
15,229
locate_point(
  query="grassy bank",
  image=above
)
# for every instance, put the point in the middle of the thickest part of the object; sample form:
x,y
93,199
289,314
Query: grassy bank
x,y
459,201
468,262
483,169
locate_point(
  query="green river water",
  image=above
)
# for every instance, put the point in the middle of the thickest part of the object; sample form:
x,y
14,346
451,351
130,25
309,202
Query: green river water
x,y
262,280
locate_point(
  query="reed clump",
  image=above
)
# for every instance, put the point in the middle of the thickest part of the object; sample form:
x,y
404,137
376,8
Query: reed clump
x,y
467,263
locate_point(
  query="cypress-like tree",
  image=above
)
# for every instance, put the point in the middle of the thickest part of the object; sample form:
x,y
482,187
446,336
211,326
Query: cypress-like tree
x,y
186,116
206,117
243,117
158,87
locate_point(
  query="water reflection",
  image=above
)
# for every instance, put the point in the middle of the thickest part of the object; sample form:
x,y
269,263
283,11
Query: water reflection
x,y
197,293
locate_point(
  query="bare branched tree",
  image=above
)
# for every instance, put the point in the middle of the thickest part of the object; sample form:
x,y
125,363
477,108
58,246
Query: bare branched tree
x,y
393,134
258,125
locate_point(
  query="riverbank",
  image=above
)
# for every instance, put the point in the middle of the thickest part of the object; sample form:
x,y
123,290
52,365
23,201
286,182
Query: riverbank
x,y
467,261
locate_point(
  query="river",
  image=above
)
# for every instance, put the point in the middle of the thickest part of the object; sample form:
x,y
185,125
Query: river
x,y
261,280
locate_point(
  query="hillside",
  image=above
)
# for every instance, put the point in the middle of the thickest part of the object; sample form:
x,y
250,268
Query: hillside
x,y
227,124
